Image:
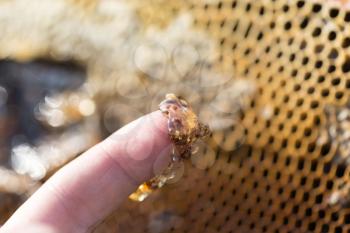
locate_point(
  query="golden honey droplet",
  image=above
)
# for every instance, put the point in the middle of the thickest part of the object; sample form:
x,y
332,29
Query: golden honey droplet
x,y
142,192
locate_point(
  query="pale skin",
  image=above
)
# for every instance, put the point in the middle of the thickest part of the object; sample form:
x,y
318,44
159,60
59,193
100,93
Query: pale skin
x,y
95,184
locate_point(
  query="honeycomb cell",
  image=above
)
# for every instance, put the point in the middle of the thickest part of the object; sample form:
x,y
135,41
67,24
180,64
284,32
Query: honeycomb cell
x,y
278,169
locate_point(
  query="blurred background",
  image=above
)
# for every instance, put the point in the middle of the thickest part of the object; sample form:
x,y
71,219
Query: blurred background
x,y
270,77
73,72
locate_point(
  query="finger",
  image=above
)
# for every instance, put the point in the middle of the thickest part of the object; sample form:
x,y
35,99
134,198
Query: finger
x,y
97,182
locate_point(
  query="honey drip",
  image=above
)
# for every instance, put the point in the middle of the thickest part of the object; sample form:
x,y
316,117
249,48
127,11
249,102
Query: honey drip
x,y
184,130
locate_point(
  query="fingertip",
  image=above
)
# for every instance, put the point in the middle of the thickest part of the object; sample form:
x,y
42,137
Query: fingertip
x,y
139,144
161,122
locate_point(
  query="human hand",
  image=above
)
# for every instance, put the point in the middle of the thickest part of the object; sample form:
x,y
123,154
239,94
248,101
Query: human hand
x,y
90,187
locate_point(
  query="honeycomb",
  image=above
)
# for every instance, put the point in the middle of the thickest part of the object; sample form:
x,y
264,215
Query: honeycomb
x,y
284,166
289,175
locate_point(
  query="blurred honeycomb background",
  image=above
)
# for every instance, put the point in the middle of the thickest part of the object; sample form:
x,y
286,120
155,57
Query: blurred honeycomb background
x,y
271,77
